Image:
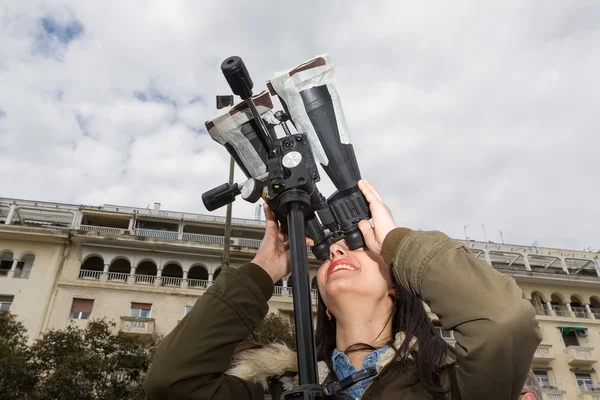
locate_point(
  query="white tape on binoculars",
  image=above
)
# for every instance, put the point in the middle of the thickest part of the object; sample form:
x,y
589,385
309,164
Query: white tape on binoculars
x,y
227,129
316,72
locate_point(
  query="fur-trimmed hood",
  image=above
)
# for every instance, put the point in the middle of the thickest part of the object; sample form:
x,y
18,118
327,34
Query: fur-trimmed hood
x,y
276,360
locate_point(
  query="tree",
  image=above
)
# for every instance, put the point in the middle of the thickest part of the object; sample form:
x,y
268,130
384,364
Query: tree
x,y
274,329
18,375
92,363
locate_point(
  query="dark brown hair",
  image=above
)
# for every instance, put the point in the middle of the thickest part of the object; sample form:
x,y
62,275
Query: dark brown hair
x,y
408,316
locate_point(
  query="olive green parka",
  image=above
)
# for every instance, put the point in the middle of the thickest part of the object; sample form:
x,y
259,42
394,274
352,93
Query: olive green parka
x,y
494,326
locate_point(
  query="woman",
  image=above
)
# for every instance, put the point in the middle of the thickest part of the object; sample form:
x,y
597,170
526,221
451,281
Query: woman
x,y
370,314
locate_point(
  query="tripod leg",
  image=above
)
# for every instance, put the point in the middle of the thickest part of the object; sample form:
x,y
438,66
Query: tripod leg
x,y
307,359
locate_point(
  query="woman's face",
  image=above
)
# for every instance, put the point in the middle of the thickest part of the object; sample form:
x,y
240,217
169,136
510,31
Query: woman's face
x,y
352,272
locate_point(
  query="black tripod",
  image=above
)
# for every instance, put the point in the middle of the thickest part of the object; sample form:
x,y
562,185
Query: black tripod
x,y
293,196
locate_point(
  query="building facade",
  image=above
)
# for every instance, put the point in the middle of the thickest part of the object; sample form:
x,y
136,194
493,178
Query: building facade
x,y
144,269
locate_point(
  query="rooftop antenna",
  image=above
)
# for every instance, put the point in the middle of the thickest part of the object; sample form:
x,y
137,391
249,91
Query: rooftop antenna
x,y
466,236
484,235
501,237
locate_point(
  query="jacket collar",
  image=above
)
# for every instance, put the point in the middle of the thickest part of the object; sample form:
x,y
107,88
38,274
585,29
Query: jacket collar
x,y
278,360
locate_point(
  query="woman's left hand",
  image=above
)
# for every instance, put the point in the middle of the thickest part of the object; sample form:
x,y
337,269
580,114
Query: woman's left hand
x,y
383,221
273,254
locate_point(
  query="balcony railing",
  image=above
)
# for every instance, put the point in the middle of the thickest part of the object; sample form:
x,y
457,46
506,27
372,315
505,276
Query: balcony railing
x,y
580,355
596,312
4,272
561,311
145,279
196,237
555,396
170,281
103,229
544,354
88,274
137,325
314,294
117,276
190,237
278,291
198,283
151,233
551,386
580,312
587,388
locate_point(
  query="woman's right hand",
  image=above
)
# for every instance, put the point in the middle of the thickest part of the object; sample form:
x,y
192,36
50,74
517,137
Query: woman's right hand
x,y
273,254
383,221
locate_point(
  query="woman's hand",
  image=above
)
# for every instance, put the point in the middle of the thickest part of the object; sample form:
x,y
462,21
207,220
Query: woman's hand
x,y
273,254
383,221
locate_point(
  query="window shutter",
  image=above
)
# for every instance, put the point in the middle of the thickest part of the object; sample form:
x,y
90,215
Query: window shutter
x,y
82,305
141,306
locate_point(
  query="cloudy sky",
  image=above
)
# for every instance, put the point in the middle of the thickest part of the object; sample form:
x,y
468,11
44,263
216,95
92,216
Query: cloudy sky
x,y
462,113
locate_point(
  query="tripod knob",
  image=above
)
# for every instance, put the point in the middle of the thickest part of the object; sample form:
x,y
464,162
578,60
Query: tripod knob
x,y
252,190
220,196
238,77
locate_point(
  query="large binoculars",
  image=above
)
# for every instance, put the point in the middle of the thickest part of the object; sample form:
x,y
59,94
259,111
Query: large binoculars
x,y
281,161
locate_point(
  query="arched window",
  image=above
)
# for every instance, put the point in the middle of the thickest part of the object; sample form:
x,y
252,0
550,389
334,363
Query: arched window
x,y
6,262
216,273
91,268
595,306
172,275
145,272
558,306
25,266
538,302
198,277
578,307
119,270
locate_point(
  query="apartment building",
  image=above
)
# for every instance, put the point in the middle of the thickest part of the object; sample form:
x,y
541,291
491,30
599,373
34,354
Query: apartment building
x,y
144,268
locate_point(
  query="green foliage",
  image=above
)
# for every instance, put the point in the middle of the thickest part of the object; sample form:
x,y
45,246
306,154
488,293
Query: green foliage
x,y
18,374
274,329
93,363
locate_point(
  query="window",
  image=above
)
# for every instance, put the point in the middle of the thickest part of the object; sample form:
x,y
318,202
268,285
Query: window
x,y
584,381
570,338
543,378
5,302
187,310
81,308
141,310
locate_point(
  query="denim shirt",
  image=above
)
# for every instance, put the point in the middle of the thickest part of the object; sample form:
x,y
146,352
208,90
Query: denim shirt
x,y
344,368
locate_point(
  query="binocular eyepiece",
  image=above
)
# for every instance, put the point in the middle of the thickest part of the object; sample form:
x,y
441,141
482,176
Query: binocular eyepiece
x,y
276,165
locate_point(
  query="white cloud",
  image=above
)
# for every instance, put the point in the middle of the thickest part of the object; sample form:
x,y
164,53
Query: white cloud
x,y
461,113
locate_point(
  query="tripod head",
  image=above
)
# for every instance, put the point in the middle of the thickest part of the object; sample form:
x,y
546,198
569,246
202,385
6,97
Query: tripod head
x,y
274,166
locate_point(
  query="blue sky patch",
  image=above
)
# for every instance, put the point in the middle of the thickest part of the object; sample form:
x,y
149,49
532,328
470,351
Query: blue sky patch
x,y
64,33
154,95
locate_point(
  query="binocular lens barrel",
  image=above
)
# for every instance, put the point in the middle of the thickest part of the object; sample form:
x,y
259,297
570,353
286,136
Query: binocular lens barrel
x,y
342,168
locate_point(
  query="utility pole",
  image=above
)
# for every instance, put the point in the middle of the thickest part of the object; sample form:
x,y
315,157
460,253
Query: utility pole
x,y
222,102
228,219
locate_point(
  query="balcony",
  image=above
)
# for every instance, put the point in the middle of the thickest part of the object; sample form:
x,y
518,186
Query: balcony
x,y
580,356
4,272
173,235
103,229
544,354
198,284
589,392
88,274
553,391
137,325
